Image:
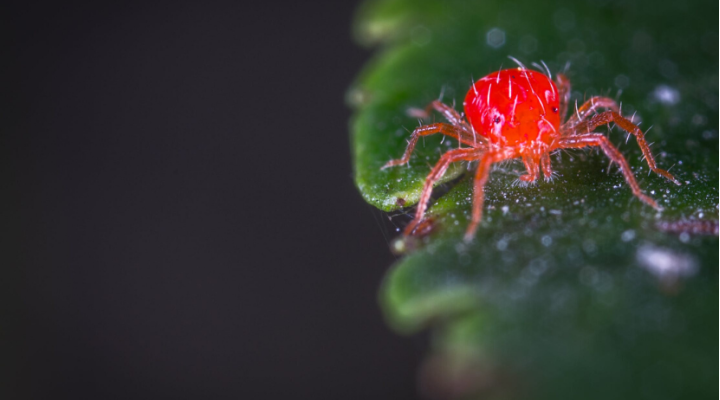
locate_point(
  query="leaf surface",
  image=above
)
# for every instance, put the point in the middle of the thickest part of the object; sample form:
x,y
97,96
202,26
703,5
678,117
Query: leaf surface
x,y
572,283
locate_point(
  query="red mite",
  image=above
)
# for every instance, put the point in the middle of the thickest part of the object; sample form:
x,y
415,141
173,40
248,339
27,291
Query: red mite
x,y
518,113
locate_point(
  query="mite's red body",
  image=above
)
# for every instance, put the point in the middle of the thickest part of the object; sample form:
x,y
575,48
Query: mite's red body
x,y
515,108
518,113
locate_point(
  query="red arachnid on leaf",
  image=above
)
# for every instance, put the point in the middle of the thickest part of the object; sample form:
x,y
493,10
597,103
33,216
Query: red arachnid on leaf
x,y
518,113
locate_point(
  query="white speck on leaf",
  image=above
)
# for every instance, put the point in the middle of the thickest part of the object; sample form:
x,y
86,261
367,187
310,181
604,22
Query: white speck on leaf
x,y
495,38
666,95
665,264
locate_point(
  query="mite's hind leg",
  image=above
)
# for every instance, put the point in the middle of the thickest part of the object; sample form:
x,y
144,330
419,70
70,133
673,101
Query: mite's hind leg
x,y
596,139
466,154
425,130
612,116
448,112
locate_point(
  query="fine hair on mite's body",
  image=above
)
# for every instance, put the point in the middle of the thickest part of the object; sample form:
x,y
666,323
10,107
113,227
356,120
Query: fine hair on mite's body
x,y
518,113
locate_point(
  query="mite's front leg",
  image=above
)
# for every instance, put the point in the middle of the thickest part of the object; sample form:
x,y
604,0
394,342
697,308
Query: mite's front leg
x,y
596,139
612,116
481,177
546,167
466,154
587,109
533,170
564,86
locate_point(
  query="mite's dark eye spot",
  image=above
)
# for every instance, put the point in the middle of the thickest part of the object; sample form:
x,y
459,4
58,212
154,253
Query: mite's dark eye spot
x,y
512,76
497,120
555,109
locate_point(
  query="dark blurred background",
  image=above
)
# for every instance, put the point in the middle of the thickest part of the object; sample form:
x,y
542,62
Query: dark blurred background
x,y
179,218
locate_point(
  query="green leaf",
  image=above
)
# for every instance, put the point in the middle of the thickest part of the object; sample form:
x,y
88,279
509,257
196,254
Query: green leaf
x,y
562,288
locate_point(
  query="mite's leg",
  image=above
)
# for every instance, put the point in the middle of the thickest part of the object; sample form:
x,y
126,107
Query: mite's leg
x,y
466,154
612,116
533,170
587,109
596,139
481,177
448,112
443,128
563,84
546,167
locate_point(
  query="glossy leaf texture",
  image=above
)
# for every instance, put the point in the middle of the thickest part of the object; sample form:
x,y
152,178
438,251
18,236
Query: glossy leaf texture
x,y
571,288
